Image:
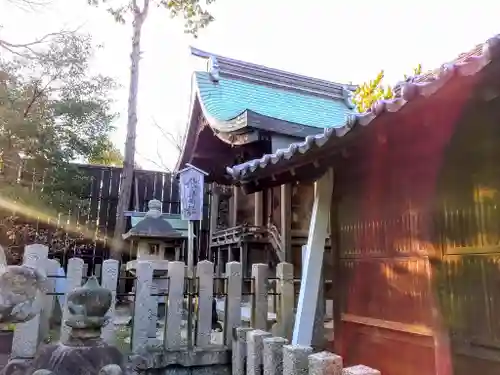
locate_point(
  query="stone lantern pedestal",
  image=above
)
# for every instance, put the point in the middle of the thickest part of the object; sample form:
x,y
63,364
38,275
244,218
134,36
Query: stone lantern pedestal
x,y
84,353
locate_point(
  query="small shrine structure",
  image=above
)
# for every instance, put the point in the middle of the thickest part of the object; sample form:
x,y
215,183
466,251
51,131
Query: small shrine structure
x,y
239,111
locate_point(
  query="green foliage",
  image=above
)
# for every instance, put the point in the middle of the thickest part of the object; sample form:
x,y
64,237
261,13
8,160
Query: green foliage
x,y
52,112
194,12
108,154
416,72
370,92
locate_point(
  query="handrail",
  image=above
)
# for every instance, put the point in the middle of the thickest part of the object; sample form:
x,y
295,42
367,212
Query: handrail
x,y
270,232
276,242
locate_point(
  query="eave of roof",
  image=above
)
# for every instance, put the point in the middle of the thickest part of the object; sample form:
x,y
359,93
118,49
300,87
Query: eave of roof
x,y
226,102
468,64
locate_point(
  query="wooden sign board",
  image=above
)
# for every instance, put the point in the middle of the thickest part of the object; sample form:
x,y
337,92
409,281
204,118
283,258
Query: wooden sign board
x,y
192,182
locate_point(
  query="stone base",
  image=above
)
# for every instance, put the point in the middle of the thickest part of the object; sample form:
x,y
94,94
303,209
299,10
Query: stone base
x,y
196,370
76,358
159,359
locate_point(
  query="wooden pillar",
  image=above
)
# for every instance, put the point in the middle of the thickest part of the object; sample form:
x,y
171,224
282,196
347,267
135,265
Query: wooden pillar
x,y
313,261
214,215
286,221
244,262
214,209
233,206
258,208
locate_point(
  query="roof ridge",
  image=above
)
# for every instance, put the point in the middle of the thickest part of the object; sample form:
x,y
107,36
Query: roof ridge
x,y
246,70
433,74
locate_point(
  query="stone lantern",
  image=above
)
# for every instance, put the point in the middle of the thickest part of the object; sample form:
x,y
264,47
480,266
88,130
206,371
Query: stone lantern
x,y
155,238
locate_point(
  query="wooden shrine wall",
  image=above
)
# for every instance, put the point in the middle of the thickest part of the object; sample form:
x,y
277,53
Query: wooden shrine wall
x,y
417,229
245,214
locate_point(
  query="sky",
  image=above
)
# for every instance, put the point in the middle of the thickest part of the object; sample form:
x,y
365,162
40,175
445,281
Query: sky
x,y
342,41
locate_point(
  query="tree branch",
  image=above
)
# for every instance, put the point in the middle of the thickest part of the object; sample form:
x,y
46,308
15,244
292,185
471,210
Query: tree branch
x,y
159,165
29,3
20,49
145,9
135,7
174,140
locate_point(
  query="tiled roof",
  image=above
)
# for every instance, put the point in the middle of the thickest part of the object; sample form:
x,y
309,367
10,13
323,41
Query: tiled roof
x,y
230,97
425,85
240,86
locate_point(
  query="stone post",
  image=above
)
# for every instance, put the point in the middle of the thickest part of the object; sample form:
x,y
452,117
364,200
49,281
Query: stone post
x,y
48,304
25,341
109,281
273,355
360,370
73,280
205,275
285,316
295,359
325,363
255,351
142,305
239,352
259,308
153,307
176,274
233,300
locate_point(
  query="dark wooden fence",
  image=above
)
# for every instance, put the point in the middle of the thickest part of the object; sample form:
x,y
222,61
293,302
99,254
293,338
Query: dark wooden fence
x,y
87,232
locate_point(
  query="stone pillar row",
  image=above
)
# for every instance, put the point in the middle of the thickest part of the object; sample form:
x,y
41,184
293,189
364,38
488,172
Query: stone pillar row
x,y
257,352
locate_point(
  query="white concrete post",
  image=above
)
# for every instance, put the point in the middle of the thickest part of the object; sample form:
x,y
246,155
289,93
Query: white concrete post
x,y
205,275
260,305
25,341
318,336
73,280
111,269
310,280
142,305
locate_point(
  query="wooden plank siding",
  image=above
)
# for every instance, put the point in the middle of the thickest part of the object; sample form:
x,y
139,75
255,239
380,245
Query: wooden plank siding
x,y
97,212
417,242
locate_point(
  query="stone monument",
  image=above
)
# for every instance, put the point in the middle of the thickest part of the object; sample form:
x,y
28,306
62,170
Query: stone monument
x,y
21,290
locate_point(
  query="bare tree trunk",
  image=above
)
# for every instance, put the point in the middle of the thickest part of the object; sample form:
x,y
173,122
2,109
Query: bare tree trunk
x,y
129,157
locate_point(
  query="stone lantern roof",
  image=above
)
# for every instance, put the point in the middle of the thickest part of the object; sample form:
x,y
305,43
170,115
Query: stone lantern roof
x,y
153,225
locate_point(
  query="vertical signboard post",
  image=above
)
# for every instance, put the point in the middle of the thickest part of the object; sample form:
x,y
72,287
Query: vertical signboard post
x,y
192,182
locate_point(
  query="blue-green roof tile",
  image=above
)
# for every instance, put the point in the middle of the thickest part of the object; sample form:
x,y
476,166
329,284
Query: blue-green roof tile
x,y
229,97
